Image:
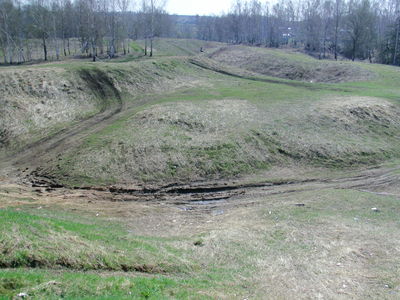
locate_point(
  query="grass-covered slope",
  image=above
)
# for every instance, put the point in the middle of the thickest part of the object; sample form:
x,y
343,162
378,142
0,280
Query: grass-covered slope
x,y
332,245
289,65
217,139
236,126
180,47
56,240
38,101
185,119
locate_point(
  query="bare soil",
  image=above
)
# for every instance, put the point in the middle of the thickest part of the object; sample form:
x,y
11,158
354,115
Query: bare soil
x,y
151,207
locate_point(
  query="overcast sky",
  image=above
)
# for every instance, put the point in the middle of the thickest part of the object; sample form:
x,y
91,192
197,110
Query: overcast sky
x,y
198,7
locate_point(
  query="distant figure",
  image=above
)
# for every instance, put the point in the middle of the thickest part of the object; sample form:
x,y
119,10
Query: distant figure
x,y
201,49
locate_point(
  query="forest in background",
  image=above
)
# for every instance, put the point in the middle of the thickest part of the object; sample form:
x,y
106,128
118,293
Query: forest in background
x,y
52,29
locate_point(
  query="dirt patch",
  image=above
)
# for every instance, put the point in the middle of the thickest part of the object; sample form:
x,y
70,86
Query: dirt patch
x,y
294,67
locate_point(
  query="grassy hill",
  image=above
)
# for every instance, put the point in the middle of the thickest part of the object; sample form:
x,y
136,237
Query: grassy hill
x,y
318,142
186,120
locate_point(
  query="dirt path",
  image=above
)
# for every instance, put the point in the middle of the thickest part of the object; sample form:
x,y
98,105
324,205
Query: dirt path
x,y
19,165
247,75
46,149
211,196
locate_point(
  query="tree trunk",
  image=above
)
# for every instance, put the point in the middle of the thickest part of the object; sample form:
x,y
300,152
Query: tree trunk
x,y
324,43
44,47
94,51
57,49
337,29
396,45
4,55
28,52
151,47
10,54
336,41
55,39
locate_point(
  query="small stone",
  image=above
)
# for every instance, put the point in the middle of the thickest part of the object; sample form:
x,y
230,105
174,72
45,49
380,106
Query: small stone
x,y
198,243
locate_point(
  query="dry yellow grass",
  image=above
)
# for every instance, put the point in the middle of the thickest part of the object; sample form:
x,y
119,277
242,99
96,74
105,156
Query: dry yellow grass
x,y
326,243
290,65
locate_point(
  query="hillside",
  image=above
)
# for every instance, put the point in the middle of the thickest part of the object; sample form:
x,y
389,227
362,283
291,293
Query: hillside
x,y
185,174
288,64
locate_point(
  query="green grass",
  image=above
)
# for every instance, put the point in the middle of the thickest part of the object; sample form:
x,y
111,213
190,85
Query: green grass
x,y
216,126
248,252
48,253
136,47
286,127
51,239
39,284
177,47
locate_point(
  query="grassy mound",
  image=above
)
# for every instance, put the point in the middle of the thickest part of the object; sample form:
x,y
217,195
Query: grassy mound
x,y
289,65
182,121
38,102
217,139
56,240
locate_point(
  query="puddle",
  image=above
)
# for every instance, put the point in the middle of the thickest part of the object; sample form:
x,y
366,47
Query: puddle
x,y
217,212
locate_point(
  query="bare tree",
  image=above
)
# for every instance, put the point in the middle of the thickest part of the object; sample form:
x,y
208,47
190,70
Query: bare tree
x,y
41,16
353,28
151,13
327,17
124,6
360,24
338,17
312,25
397,34
6,39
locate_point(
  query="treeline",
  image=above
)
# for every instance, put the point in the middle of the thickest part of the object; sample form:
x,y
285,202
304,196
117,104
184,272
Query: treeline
x,y
102,27
356,29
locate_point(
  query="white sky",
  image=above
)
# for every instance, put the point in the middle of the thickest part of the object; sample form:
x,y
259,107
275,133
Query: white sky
x,y
198,7
202,7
